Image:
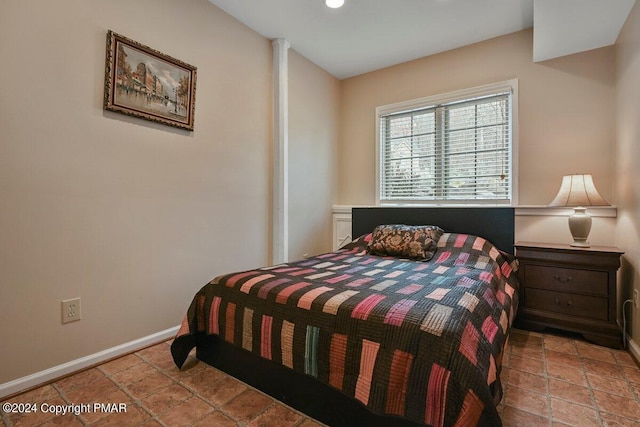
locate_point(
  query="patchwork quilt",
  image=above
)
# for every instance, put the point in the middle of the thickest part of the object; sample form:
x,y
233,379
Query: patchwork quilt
x,y
418,340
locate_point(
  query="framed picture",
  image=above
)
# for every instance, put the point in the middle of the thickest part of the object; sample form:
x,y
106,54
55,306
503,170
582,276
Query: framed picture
x,y
145,83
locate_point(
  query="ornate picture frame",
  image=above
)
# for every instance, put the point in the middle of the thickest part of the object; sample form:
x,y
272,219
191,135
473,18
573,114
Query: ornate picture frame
x,y
145,83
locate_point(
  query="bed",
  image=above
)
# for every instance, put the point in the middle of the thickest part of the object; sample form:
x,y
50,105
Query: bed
x,y
353,338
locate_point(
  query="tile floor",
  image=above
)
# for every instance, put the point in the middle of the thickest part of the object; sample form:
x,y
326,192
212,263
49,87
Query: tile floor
x,y
554,380
156,393
549,381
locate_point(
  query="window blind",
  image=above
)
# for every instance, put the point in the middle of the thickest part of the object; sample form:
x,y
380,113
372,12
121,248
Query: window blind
x,y
458,151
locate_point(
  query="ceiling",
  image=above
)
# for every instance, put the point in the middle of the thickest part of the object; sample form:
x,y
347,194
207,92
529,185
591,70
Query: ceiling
x,y
366,35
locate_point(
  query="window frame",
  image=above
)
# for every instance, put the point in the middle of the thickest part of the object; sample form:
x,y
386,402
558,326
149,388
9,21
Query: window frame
x,y
445,98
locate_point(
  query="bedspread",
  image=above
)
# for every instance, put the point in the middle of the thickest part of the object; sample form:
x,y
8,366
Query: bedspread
x,y
418,340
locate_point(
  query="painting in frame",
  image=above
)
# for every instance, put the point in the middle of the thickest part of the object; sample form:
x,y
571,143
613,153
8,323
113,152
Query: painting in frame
x,y
145,83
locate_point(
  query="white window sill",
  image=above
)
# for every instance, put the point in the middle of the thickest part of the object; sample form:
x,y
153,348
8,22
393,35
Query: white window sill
x,y
524,210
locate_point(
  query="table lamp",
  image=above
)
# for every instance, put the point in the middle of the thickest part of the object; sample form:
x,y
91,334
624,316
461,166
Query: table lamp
x,y
578,192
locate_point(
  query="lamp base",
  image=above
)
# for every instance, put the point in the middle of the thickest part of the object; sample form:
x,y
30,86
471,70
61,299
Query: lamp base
x,y
580,226
580,244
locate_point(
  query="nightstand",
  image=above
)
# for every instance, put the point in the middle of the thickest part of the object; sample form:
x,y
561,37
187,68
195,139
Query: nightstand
x,y
569,288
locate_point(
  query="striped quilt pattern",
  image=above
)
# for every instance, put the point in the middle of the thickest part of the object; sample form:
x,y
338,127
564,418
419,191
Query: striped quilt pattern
x,y
419,340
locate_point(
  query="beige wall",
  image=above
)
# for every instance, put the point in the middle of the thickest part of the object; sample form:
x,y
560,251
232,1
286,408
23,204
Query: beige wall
x,y
314,99
628,160
131,216
566,120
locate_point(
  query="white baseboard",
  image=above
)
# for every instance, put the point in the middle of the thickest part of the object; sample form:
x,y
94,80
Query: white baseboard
x,y
633,348
42,377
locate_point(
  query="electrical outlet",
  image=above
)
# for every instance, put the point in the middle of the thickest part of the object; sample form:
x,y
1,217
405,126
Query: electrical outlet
x,y
70,310
635,299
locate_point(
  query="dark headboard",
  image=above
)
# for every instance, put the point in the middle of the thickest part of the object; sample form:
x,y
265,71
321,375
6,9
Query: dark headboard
x,y
494,224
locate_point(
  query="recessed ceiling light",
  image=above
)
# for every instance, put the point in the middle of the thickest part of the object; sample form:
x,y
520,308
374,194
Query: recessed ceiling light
x,y
334,3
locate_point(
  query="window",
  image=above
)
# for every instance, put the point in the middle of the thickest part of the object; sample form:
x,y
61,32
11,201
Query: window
x,y
453,148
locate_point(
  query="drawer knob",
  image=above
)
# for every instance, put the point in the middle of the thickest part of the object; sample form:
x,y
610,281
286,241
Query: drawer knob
x,y
562,279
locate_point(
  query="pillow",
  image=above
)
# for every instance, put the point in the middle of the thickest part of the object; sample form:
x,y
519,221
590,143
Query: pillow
x,y
360,242
405,241
474,244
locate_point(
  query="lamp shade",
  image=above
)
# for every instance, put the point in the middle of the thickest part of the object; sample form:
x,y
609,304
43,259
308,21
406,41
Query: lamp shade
x,y
578,190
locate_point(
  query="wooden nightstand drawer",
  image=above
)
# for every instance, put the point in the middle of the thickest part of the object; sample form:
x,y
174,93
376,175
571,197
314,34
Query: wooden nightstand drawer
x,y
569,304
567,280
